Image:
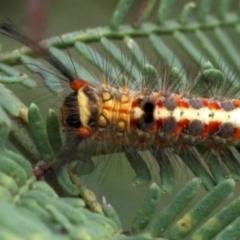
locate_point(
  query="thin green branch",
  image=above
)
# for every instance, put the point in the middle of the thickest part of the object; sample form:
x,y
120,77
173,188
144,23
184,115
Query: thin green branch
x,y
146,29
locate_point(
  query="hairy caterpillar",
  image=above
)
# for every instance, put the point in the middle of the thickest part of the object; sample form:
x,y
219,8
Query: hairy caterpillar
x,y
161,118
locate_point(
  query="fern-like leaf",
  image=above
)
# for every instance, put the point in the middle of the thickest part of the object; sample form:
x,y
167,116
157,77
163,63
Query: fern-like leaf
x,y
30,208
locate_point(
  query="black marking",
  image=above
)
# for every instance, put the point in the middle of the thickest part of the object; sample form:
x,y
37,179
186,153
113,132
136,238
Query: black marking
x,y
93,105
170,103
70,110
146,122
71,100
228,106
226,130
148,104
89,92
73,120
195,128
92,122
196,103
169,125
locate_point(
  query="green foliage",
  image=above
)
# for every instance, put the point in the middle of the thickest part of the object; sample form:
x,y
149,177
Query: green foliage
x,y
32,209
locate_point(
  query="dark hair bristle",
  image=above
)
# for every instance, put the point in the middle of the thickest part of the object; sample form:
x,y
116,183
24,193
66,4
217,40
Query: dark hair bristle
x,y
11,31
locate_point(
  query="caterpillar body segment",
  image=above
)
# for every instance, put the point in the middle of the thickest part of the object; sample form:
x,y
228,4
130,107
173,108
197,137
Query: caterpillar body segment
x,y
163,117
148,118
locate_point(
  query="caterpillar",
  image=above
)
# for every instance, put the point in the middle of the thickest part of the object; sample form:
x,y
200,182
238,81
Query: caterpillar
x,y
167,121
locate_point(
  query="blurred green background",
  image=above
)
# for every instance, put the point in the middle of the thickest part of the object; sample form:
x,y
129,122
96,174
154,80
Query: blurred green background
x,y
112,178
